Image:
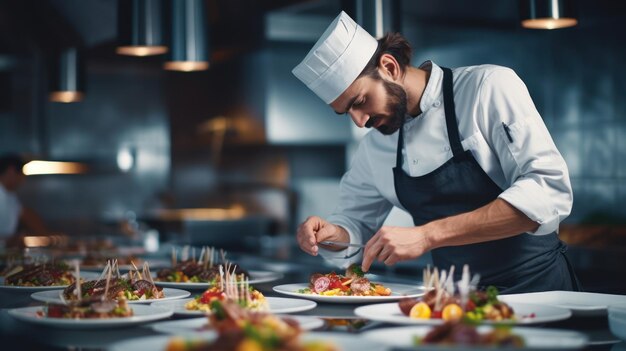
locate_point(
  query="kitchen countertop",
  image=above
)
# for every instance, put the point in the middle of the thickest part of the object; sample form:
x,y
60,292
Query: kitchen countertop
x,y
25,336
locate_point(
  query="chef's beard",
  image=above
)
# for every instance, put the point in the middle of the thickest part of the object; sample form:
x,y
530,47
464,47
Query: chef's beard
x,y
396,105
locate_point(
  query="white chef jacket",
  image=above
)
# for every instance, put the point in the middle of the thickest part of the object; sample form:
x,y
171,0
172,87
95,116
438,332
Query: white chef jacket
x,y
528,166
10,209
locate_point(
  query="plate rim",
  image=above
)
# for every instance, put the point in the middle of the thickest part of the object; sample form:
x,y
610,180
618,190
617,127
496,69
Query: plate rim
x,y
92,276
310,305
566,314
344,299
162,327
184,294
67,323
372,335
576,309
275,276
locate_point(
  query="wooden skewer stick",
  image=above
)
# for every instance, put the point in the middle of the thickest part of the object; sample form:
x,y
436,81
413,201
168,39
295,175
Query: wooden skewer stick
x,y
173,257
78,285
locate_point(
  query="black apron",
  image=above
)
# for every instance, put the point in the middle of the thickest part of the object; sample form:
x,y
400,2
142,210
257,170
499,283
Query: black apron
x,y
521,263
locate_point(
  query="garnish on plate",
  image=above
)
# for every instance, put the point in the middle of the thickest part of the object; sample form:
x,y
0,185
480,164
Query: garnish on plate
x,y
205,269
230,286
136,285
466,302
353,283
77,307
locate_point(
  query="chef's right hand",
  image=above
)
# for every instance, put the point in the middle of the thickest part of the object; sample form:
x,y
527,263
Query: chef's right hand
x,y
315,229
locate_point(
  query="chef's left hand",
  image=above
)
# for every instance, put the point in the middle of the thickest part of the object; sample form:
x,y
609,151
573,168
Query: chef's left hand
x,y
393,244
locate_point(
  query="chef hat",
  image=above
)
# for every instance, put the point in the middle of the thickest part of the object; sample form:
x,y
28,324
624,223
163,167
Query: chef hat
x,y
337,58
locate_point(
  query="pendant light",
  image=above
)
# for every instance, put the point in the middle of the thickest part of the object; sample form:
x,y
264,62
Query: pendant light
x,y
66,81
189,42
548,14
140,27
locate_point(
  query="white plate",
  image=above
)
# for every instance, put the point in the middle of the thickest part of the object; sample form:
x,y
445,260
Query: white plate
x,y
342,341
398,291
276,304
580,303
390,313
142,314
533,338
52,296
190,327
256,277
83,275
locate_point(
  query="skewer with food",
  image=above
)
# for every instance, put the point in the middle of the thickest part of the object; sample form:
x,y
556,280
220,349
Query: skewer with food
x,y
102,307
230,286
444,301
205,269
133,286
353,283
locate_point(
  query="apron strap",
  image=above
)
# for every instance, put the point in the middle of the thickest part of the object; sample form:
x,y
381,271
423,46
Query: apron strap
x,y
399,148
451,123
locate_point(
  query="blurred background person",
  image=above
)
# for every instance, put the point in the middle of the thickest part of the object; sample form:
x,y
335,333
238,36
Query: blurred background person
x,y
14,218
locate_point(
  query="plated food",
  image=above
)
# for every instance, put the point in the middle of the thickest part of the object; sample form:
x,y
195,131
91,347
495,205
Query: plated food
x,y
229,285
88,309
444,301
449,301
203,270
133,286
239,328
351,287
352,283
41,274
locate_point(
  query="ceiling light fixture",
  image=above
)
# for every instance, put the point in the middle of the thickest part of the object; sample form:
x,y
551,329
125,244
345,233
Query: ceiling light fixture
x,y
39,167
140,27
548,14
189,42
67,76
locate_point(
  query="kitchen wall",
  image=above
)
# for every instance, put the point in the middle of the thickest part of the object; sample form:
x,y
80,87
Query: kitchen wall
x,y
123,110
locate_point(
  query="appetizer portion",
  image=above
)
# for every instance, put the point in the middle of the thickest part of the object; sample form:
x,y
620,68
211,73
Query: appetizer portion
x,y
93,308
444,301
203,270
353,283
42,274
239,328
133,286
460,334
229,287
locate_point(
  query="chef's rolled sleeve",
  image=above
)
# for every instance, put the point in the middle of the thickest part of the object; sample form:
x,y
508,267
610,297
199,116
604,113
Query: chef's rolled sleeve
x,y
361,211
531,163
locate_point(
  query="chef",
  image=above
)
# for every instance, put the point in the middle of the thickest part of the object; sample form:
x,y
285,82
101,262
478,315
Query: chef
x,y
463,151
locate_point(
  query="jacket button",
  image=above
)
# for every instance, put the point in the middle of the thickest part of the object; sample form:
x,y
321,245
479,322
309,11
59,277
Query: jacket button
x,y
437,103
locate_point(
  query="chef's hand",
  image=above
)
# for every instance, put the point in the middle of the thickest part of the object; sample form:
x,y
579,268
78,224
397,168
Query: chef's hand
x,y
315,229
393,244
